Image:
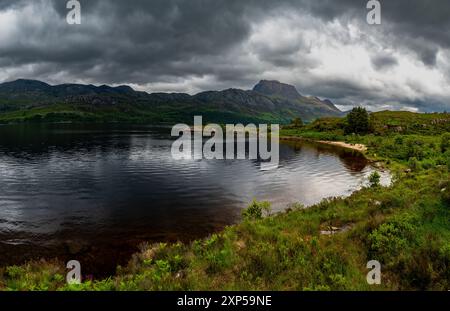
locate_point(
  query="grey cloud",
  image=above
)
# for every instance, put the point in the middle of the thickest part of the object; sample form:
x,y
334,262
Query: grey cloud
x,y
428,55
152,37
381,62
405,21
142,41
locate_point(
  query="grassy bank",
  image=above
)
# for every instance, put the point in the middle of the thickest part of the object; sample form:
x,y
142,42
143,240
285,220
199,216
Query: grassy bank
x,y
405,226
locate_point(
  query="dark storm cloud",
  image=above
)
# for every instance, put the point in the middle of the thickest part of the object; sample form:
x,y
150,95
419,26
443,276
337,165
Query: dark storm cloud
x,y
145,42
149,36
120,38
4,4
384,61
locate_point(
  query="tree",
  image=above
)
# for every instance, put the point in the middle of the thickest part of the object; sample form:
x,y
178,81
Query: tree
x,y
297,122
357,121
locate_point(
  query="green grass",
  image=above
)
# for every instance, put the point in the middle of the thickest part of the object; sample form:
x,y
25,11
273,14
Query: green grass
x,y
405,226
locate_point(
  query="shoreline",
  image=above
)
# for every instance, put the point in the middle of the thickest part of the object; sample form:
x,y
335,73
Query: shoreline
x,y
356,147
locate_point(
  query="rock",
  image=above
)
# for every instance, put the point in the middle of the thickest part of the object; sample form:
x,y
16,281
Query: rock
x,y
276,88
334,230
180,275
240,244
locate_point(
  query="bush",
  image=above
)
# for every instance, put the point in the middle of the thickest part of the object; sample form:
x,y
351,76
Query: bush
x,y
392,238
256,210
446,195
398,140
357,121
445,142
374,179
448,160
297,122
428,164
415,149
413,164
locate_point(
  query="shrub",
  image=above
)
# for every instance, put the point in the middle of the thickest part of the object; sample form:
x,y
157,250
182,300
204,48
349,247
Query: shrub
x,y
374,179
297,122
445,142
398,140
446,195
413,164
256,210
392,238
415,149
428,164
14,271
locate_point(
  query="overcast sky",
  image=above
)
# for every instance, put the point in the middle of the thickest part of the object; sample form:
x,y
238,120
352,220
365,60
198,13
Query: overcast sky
x,y
324,48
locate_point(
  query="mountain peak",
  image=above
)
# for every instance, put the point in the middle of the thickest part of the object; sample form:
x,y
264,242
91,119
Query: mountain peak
x,y
21,80
24,85
276,88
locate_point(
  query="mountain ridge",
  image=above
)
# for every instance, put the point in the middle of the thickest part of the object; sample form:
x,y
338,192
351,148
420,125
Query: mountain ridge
x,y
267,101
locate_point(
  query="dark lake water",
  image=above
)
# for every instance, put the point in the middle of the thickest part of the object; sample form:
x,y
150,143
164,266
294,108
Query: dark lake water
x,y
94,193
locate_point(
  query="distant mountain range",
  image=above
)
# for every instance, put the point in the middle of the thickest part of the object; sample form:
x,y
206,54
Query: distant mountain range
x,y
269,101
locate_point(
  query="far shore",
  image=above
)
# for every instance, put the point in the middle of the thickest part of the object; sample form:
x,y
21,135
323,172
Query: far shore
x,y
357,147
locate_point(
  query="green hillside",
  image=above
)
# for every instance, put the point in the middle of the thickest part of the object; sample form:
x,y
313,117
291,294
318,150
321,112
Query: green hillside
x,y
35,101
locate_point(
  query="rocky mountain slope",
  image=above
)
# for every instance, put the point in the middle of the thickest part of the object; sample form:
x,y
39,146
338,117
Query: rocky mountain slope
x,y
269,101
